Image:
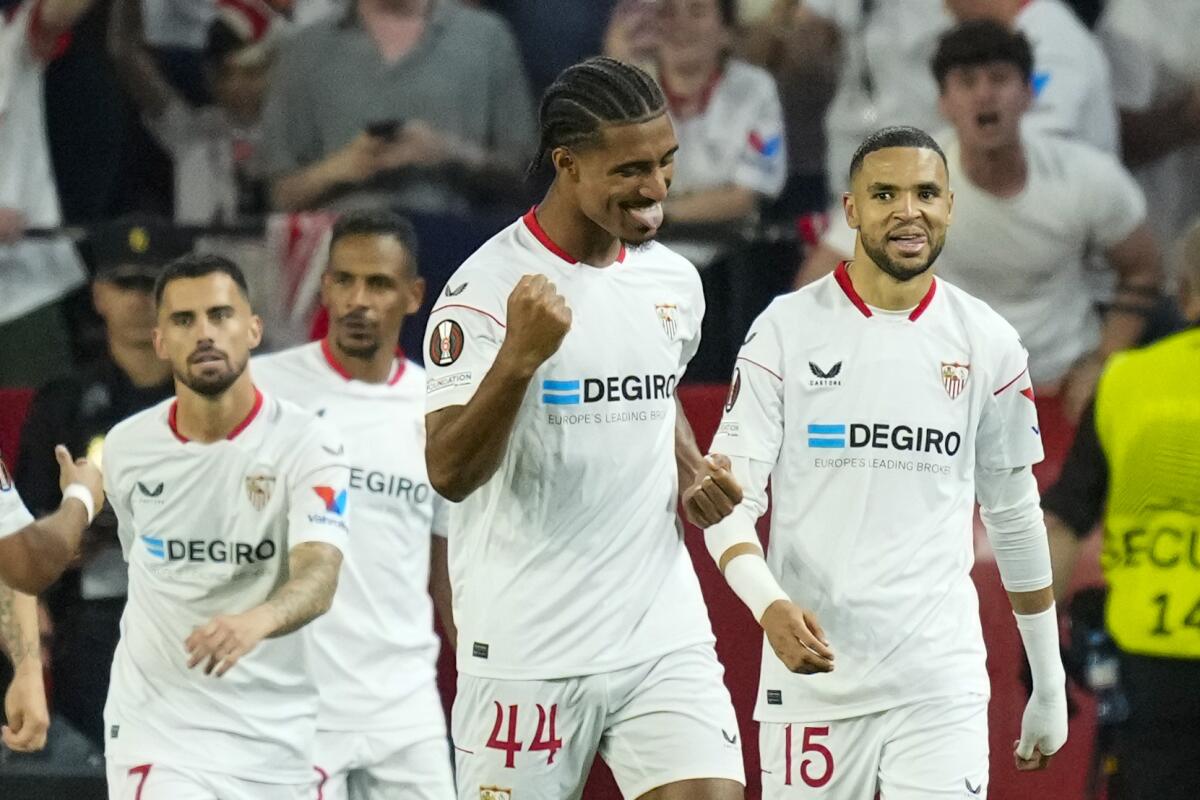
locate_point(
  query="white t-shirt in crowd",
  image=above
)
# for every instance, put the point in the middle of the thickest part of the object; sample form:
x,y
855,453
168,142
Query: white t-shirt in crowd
x,y
32,272
1152,47
1072,85
375,650
13,514
1027,256
885,77
206,529
737,139
206,149
570,560
875,423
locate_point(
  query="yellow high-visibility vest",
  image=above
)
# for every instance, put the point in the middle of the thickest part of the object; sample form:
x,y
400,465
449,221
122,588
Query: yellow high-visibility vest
x,y
1148,423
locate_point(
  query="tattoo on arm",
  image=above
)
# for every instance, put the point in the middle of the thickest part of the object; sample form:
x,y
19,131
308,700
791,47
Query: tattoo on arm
x,y
313,576
16,635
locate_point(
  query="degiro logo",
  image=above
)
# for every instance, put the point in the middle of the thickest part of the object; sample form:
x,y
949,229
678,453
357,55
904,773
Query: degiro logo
x,y
614,389
208,551
883,436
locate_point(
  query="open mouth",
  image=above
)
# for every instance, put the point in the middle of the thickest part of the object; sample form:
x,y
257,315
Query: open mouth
x,y
909,243
648,216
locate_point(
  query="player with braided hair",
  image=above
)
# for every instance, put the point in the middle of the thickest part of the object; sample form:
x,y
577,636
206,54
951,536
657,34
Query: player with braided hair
x,y
552,360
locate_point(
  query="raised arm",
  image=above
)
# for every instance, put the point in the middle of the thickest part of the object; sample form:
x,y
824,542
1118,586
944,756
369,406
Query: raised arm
x,y
136,67
308,593
34,557
465,444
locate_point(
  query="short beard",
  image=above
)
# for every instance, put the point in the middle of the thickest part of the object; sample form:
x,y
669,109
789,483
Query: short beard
x,y
900,272
212,387
637,247
366,352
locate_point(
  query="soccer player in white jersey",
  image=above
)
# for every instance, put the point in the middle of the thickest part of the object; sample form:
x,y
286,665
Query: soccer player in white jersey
x,y
32,556
881,402
232,510
381,729
552,360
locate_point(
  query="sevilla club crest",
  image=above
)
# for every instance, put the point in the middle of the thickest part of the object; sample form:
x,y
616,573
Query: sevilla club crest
x,y
666,315
258,490
954,377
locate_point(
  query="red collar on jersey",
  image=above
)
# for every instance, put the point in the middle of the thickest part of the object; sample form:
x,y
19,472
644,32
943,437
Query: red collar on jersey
x,y
337,367
842,276
531,221
241,426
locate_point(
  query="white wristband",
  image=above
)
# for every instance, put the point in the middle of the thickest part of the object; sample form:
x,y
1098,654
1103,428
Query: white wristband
x,y
751,580
83,495
1039,633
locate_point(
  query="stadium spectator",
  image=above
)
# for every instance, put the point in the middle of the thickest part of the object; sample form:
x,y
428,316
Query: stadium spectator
x,y
726,115
1156,80
35,275
1134,463
415,103
801,50
1029,209
219,175
1072,90
78,410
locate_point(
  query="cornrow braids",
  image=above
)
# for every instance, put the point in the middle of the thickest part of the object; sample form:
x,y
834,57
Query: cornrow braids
x,y
591,94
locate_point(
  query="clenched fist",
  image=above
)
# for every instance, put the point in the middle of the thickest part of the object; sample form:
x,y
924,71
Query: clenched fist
x,y
713,493
538,319
797,638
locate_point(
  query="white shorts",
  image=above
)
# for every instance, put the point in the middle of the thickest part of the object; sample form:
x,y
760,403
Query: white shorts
x,y
382,765
164,782
657,723
923,751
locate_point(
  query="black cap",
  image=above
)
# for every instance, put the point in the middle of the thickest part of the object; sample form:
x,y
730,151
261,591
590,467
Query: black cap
x,y
137,247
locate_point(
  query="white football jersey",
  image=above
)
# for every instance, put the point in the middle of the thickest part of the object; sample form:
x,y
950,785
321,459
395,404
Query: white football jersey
x,y
206,529
875,422
13,513
570,560
376,648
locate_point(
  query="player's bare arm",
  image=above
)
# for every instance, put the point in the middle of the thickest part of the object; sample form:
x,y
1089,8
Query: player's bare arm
x,y
25,701
33,558
440,590
308,593
465,444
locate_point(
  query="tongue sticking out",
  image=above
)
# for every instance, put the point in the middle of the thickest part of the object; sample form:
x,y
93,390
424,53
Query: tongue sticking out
x,y
649,217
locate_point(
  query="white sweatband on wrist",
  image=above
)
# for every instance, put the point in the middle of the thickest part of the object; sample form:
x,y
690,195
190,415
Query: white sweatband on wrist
x,y
1039,633
84,495
751,580
1016,527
